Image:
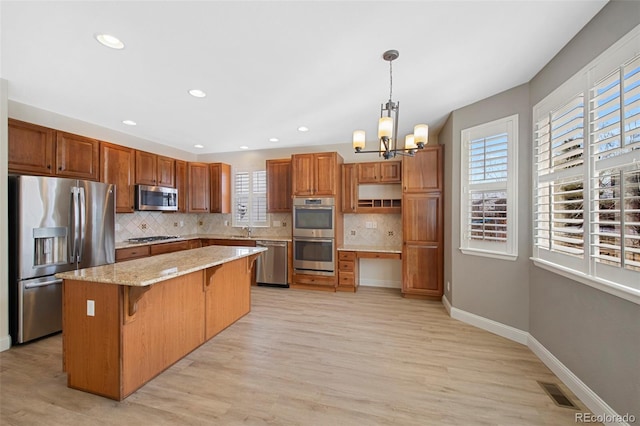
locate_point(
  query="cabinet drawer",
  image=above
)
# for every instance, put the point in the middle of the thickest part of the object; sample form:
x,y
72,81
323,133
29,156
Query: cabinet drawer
x,y
314,279
131,253
169,247
377,255
346,278
346,265
347,255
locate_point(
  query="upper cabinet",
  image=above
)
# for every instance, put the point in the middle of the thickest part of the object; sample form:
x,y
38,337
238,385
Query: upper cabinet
x,y
379,172
38,150
220,188
182,185
118,165
77,156
349,188
30,148
423,172
279,186
199,184
154,170
315,174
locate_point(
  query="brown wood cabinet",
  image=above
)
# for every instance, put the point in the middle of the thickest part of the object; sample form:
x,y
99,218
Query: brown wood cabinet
x,y
37,150
155,170
77,156
279,186
182,185
169,247
31,148
347,271
315,174
117,167
349,188
199,184
380,172
422,225
220,188
130,253
423,172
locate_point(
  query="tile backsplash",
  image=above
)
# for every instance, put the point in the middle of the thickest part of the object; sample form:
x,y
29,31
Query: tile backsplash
x,y
359,229
373,229
142,224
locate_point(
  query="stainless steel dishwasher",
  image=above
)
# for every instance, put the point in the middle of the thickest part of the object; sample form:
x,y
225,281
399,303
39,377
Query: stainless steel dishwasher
x,y
272,264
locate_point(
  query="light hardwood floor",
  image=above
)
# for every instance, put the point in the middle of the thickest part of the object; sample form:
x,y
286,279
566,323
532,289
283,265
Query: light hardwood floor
x,y
309,358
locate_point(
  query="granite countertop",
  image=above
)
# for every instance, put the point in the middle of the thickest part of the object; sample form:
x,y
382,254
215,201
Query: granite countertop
x,y
151,270
127,244
374,249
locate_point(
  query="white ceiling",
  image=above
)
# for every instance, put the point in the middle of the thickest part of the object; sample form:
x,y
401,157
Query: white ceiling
x,y
271,66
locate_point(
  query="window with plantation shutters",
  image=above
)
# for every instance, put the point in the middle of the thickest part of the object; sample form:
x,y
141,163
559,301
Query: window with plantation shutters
x,y
587,173
488,216
250,199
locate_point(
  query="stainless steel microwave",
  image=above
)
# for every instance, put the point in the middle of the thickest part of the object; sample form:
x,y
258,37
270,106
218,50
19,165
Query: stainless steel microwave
x,y
158,198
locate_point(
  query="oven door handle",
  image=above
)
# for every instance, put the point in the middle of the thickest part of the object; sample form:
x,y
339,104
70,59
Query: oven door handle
x,y
314,240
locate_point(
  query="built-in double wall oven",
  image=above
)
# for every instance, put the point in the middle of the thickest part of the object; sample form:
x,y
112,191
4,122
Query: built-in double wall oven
x,y
314,236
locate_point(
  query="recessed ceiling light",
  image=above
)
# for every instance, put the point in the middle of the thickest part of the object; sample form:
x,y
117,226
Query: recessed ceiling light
x,y
303,129
110,41
198,146
129,122
274,140
244,147
197,93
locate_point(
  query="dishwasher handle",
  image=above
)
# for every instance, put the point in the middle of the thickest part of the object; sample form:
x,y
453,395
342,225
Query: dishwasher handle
x,y
271,243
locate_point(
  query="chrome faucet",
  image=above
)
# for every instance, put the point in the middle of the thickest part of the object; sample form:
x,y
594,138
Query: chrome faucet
x,y
248,229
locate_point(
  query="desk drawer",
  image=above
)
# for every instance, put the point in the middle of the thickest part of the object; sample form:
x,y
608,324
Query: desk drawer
x,y
346,279
346,265
347,255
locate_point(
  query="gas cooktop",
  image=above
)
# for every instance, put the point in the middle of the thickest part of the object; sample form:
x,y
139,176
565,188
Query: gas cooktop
x,y
155,238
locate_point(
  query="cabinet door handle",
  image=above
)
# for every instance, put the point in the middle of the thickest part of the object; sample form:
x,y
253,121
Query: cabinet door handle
x,y
49,166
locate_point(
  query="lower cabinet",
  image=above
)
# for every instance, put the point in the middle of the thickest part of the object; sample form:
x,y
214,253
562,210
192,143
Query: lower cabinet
x,y
131,253
169,247
422,272
314,282
347,271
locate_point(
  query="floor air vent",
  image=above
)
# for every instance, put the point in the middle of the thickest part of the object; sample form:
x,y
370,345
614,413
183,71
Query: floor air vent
x,y
558,397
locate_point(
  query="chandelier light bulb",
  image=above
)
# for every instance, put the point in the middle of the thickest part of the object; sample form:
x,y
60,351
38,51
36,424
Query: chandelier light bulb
x,y
385,127
358,139
409,142
421,134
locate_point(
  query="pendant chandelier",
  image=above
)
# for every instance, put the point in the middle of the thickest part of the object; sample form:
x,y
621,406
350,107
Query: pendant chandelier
x,y
388,126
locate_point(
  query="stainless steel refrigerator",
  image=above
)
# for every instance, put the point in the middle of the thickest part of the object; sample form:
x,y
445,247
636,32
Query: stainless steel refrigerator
x,y
55,225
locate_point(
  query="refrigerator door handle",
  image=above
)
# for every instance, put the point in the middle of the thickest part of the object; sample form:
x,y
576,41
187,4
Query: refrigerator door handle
x,y
75,231
82,222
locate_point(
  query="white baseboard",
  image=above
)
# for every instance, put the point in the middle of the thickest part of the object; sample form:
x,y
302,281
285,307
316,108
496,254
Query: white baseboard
x,y
447,304
492,326
5,343
593,402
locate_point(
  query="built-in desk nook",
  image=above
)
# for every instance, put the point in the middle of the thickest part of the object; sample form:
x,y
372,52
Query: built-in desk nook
x,y
348,262
125,323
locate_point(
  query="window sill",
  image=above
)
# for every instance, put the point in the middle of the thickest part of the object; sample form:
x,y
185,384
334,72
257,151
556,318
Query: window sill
x,y
623,292
488,253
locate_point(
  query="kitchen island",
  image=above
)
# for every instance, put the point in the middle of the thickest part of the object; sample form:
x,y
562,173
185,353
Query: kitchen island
x,y
125,323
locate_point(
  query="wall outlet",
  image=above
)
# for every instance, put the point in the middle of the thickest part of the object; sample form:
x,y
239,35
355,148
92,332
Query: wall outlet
x,y
181,223
91,308
448,286
226,223
368,225
117,228
374,224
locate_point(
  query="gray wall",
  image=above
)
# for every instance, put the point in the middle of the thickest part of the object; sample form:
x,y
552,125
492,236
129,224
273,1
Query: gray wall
x,y
492,288
594,334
